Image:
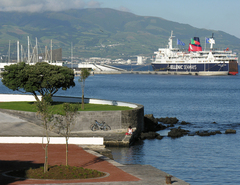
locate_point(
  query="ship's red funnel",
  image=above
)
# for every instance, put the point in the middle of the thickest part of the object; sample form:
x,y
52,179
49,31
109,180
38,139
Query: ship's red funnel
x,y
195,45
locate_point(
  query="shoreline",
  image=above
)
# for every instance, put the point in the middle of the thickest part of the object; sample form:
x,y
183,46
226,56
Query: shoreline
x,y
144,173
201,73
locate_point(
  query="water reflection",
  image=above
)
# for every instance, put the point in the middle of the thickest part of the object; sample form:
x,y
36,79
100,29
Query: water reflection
x,y
197,160
128,155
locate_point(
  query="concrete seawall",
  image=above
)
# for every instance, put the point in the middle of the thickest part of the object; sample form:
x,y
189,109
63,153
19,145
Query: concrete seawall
x,y
201,73
84,119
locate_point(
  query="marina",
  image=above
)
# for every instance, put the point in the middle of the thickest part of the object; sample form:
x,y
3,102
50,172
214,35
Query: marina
x,y
168,61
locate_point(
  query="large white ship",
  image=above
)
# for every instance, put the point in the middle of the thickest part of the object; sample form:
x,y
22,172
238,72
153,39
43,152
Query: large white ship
x,y
195,60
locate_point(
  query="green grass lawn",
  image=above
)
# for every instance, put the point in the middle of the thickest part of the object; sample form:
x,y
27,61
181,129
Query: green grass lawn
x,y
57,107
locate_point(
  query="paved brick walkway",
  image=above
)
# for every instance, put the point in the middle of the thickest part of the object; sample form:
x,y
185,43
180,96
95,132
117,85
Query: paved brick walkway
x,y
17,156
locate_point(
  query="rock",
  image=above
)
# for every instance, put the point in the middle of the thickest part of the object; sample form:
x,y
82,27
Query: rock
x,y
151,124
192,134
150,135
230,131
204,133
159,137
177,132
185,123
167,120
151,117
207,133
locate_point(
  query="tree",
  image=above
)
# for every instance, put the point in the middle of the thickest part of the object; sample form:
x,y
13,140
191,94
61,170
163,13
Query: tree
x,y
42,78
83,76
45,112
65,122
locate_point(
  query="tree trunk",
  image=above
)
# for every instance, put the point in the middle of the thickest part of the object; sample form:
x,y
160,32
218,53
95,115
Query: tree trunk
x,y
36,97
66,152
82,101
46,159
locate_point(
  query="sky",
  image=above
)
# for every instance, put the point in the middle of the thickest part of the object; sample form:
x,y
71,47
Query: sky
x,y
223,15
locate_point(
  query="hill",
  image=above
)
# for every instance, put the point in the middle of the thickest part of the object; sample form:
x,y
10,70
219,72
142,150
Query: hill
x,y
100,32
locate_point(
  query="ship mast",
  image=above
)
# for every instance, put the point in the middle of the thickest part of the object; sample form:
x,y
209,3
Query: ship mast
x,y
170,40
211,41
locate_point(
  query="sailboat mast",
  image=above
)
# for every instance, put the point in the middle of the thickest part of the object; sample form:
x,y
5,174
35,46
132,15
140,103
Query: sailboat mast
x,y
28,50
46,54
21,53
9,51
18,51
71,55
36,50
51,51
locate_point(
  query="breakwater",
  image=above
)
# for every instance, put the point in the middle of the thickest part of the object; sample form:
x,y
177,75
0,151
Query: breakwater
x,y
203,73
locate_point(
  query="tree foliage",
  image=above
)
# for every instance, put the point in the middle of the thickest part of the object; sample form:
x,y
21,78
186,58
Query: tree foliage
x,y
83,76
42,78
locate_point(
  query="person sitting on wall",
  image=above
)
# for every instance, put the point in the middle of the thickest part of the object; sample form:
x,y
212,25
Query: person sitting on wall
x,y
129,131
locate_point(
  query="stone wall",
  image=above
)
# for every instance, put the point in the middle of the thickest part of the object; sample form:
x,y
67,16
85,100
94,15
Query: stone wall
x,y
86,118
134,117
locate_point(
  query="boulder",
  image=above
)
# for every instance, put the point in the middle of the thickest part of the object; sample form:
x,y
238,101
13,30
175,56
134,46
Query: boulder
x,y
167,120
185,123
159,137
230,131
151,124
150,135
177,132
207,133
171,125
191,133
218,132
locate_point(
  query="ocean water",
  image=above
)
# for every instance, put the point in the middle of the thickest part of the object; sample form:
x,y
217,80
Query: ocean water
x,y
208,103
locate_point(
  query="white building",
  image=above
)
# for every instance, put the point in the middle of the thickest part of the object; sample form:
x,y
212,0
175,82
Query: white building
x,y
139,60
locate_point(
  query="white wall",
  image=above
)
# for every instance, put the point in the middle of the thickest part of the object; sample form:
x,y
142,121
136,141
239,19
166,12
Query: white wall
x,y
16,97
54,140
19,97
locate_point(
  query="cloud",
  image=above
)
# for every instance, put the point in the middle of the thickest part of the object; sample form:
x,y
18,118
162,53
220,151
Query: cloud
x,y
124,9
46,5
93,4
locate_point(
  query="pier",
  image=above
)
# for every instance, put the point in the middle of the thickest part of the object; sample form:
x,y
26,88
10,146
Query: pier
x,y
202,73
107,69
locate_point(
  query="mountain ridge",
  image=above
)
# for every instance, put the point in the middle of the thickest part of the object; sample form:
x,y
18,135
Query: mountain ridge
x,y
101,32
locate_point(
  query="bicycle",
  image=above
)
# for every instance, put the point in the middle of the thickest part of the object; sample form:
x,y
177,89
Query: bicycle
x,y
102,126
